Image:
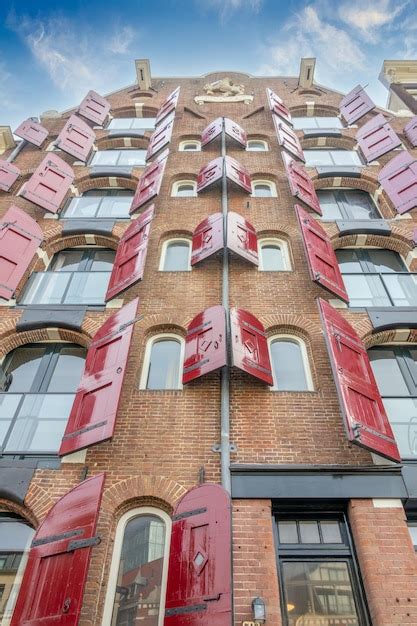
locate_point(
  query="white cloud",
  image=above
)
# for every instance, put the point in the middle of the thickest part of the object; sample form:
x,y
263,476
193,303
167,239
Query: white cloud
x,y
370,16
227,7
122,39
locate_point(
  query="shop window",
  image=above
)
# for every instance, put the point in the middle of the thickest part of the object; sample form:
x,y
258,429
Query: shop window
x,y
332,156
175,256
412,527
105,203
37,391
122,157
132,123
376,277
347,204
263,189
162,368
289,360
330,122
256,145
191,145
75,276
184,189
273,255
395,370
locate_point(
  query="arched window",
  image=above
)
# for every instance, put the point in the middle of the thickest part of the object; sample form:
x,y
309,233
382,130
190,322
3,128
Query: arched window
x,y
37,391
120,157
347,204
263,189
376,277
329,122
190,145
162,367
74,276
139,568
273,255
175,256
289,362
132,123
184,188
15,539
106,203
332,156
256,145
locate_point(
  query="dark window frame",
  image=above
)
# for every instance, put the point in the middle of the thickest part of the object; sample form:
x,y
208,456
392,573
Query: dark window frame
x,y
343,204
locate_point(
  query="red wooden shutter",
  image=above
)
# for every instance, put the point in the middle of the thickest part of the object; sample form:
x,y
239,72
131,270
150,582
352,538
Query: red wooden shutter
x,y
241,237
399,179
49,184
94,108
129,263
376,138
160,138
76,138
209,174
205,344
355,105
9,173
52,588
20,236
199,589
94,411
238,174
169,105
321,258
150,182
288,139
235,131
278,107
364,415
212,131
32,132
207,238
301,185
249,345
410,131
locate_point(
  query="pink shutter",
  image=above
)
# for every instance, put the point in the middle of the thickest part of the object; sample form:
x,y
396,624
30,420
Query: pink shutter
x,y
207,238
20,236
376,138
51,592
49,184
288,139
366,421
169,105
250,351
212,131
241,237
205,344
199,588
301,185
94,108
410,131
235,131
129,263
209,174
150,182
399,180
278,107
32,131
94,411
355,105
160,138
76,138
9,174
238,174
321,258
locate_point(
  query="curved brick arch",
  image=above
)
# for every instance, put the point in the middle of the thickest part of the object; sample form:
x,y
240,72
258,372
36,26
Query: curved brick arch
x,y
397,242
57,242
343,143
171,234
320,110
274,229
24,511
109,143
155,324
128,492
11,339
292,324
389,336
86,183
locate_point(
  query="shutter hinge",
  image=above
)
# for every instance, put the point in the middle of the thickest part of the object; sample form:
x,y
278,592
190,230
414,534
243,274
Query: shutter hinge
x,y
83,543
179,516
356,430
180,610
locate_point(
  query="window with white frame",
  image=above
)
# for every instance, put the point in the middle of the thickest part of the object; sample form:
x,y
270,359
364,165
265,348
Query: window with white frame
x,y
190,145
176,255
256,145
273,255
105,203
329,122
122,157
263,189
132,123
139,569
184,189
162,367
347,204
332,156
289,360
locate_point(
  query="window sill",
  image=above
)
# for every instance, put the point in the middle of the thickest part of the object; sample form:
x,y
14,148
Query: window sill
x,y
293,391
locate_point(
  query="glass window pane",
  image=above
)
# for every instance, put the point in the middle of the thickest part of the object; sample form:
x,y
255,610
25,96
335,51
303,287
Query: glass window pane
x,y
272,258
329,205
177,257
288,366
345,157
23,367
46,288
117,208
330,531
348,260
386,260
304,122
413,532
131,157
387,372
82,207
185,190
358,204
67,260
256,146
68,369
139,578
262,191
189,147
309,532
102,260
328,122
402,288
105,157
145,123
15,538
288,532
164,364
402,414
9,404
317,157
87,288
365,290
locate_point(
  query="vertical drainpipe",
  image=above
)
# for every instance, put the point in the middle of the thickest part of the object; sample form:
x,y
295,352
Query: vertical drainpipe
x,y
16,151
225,371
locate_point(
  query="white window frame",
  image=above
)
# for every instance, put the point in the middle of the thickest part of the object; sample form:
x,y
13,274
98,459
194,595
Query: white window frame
x,y
305,359
117,551
262,141
269,183
165,246
283,245
151,127
187,142
147,360
178,183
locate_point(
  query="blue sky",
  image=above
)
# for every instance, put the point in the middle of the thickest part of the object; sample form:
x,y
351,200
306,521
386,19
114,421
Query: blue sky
x,y
52,53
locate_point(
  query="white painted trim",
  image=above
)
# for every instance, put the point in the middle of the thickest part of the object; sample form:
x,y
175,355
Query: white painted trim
x,y
387,503
258,141
115,560
304,356
280,243
165,246
147,358
195,142
270,184
178,183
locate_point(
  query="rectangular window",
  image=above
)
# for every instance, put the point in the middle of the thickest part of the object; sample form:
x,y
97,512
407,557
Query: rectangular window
x,y
412,527
332,157
346,204
132,123
106,204
301,123
319,578
119,158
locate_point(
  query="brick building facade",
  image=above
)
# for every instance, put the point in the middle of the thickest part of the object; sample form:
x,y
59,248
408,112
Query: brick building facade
x,y
322,528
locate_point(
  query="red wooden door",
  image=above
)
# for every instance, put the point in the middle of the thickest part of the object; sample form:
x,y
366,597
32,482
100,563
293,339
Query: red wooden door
x,y
49,184
9,173
207,238
250,351
32,131
76,138
301,185
94,108
241,237
205,343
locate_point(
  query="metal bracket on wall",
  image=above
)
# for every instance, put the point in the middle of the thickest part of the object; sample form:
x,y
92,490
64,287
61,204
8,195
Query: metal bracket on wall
x,y
217,447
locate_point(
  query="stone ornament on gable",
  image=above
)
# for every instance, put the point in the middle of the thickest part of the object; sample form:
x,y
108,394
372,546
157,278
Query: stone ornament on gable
x,y
223,90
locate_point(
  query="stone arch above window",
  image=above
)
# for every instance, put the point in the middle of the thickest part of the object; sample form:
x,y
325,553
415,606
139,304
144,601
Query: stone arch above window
x,y
87,183
335,143
120,142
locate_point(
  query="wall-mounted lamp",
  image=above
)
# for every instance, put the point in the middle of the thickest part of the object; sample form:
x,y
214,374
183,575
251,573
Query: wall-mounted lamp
x,y
258,609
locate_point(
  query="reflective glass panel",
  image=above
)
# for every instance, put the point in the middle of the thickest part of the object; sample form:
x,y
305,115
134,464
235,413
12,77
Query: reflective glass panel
x,y
185,190
67,370
413,532
164,364
127,157
262,191
330,531
332,157
316,122
288,532
288,366
386,260
256,146
309,531
272,258
177,257
366,290
23,367
92,207
402,414
127,123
